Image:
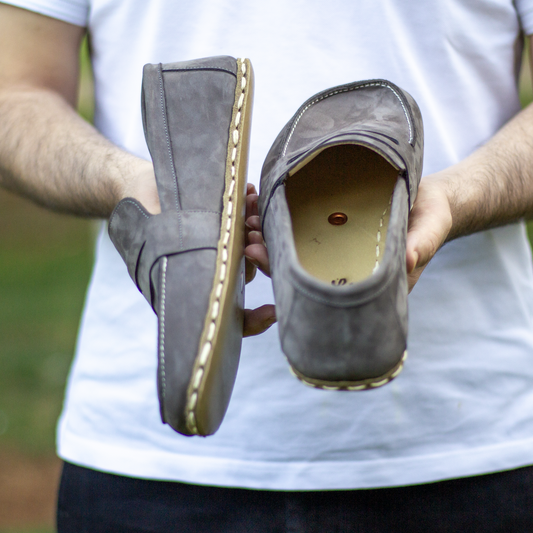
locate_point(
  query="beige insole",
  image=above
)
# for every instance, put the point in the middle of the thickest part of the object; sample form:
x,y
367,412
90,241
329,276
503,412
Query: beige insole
x,y
355,185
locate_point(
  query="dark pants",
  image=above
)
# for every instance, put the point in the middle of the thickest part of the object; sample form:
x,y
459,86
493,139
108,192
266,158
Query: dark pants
x,y
94,502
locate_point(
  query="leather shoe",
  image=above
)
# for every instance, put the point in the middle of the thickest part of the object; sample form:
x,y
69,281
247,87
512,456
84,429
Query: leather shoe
x,y
188,260
336,190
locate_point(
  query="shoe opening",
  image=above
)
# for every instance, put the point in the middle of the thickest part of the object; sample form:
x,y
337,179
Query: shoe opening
x,y
339,203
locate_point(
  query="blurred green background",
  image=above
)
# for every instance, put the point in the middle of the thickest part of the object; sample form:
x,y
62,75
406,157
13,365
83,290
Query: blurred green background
x,y
45,264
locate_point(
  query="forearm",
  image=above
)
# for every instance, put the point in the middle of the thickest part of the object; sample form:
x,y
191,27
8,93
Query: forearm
x,y
494,185
51,155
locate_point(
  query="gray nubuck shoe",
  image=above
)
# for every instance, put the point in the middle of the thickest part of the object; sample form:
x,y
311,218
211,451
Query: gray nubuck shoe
x,y
188,260
336,190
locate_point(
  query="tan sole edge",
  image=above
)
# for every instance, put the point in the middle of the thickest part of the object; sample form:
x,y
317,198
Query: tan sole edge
x,y
230,245
365,384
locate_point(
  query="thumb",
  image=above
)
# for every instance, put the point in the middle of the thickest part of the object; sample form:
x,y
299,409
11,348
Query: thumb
x,y
430,222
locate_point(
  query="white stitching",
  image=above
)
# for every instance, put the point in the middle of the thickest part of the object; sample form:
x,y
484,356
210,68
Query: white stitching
x,y
207,347
378,237
118,207
167,135
162,326
346,90
380,380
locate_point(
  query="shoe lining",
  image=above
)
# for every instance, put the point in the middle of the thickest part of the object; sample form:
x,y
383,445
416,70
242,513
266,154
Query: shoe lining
x,y
351,180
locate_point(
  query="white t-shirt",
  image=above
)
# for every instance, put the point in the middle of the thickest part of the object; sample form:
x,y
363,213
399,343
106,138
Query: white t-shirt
x,y
464,403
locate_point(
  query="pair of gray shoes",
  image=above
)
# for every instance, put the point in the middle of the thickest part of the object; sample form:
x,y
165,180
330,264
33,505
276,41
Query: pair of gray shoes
x,y
336,189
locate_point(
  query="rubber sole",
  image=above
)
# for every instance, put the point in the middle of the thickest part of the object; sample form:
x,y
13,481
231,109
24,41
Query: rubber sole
x,y
365,384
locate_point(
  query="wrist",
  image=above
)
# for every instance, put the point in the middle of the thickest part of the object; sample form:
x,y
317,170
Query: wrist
x,y
139,183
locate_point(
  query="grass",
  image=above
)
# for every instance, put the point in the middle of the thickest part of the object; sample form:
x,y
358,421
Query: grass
x,y
44,267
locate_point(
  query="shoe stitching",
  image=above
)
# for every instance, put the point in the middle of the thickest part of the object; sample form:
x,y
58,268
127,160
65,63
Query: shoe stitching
x,y
378,236
117,208
215,309
366,384
162,327
201,211
346,90
167,136
206,67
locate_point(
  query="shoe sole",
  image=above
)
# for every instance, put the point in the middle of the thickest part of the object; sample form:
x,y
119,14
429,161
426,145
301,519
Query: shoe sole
x,y
229,277
364,384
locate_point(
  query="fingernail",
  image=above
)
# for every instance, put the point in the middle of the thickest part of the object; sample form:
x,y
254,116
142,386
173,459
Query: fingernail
x,y
252,260
415,255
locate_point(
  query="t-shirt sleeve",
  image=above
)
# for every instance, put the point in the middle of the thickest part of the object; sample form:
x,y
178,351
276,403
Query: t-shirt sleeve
x,y
525,12
73,11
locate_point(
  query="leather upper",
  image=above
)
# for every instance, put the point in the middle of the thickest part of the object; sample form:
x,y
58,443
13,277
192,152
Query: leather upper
x,y
172,257
357,331
373,113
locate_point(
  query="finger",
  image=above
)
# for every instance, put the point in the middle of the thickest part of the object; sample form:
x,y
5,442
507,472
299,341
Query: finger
x,y
430,222
250,270
251,205
258,320
257,255
253,223
255,237
251,199
251,263
250,189
424,238
412,251
413,277
255,208
420,249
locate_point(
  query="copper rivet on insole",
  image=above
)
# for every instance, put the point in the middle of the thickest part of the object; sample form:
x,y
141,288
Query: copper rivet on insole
x,y
337,219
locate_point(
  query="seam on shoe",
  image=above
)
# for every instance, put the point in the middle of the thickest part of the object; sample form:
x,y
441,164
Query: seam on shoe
x,y
206,349
207,67
162,327
201,211
137,207
346,90
357,385
167,135
121,203
378,235
137,267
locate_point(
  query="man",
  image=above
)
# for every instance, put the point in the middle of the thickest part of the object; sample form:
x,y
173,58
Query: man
x,y
462,405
